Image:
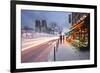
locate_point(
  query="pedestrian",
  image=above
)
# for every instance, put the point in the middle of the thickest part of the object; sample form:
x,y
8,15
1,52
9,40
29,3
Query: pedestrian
x,y
60,38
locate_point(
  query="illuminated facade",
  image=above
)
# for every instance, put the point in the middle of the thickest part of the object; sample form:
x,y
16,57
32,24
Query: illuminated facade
x,y
80,30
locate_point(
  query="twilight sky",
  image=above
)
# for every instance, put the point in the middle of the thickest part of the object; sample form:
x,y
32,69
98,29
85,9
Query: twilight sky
x,y
28,18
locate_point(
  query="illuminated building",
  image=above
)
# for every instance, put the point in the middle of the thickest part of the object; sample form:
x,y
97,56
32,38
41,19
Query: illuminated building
x,y
80,30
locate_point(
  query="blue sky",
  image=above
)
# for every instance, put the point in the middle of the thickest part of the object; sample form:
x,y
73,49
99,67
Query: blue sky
x,y
28,18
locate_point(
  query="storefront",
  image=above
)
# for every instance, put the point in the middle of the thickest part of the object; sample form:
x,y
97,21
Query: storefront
x,y
79,32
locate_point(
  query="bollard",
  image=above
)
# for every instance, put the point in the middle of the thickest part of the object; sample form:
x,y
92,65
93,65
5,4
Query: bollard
x,y
54,53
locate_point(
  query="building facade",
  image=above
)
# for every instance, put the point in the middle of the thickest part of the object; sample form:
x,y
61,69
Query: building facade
x,y
80,30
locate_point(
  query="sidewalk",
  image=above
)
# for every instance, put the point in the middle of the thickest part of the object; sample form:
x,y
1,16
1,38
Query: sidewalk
x,y
67,52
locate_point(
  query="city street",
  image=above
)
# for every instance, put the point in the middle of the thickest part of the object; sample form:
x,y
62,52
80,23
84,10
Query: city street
x,y
42,50
39,51
54,36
